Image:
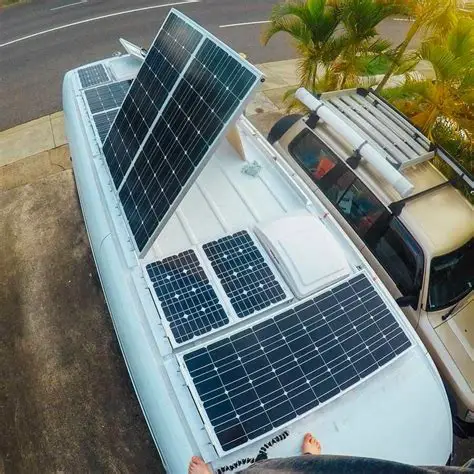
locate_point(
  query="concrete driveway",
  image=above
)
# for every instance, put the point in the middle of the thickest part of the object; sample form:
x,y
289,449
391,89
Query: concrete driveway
x,y
66,402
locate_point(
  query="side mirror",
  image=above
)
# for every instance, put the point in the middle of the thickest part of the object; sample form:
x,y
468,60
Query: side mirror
x,y
408,300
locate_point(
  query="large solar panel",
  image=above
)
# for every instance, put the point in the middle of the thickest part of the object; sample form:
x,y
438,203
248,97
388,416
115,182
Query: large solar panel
x,y
165,61
244,274
187,299
262,377
187,92
93,75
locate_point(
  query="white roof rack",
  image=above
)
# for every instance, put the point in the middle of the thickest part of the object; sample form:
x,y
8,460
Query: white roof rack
x,y
397,139
364,146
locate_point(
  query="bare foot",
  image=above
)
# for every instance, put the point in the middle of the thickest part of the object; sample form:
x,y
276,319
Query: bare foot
x,y
310,445
198,466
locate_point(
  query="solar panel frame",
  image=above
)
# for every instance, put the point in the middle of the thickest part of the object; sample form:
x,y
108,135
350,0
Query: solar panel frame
x,y
193,263
200,406
214,282
143,247
93,75
240,281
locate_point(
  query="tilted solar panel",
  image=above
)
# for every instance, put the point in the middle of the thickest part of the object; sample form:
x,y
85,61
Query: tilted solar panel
x,y
165,61
187,92
260,378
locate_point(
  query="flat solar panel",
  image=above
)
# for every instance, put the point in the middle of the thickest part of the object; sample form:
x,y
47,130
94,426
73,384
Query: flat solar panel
x,y
208,95
262,377
244,274
187,299
93,75
165,61
103,121
106,97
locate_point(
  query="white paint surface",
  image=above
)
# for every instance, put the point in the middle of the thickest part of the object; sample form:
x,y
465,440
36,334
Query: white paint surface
x,y
245,23
68,5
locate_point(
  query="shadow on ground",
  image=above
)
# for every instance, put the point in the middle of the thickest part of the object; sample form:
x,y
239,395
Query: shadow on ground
x,y
66,402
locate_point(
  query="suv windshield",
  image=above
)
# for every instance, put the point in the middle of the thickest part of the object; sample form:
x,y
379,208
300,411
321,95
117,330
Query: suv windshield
x,y
452,277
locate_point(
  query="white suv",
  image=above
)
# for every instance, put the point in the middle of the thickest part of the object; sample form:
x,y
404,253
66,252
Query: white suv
x,y
371,167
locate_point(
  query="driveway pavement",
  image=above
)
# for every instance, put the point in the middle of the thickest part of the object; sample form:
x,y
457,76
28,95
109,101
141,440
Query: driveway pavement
x,y
66,402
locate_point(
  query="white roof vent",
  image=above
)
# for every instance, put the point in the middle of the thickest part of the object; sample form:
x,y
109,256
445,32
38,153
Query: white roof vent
x,y
305,252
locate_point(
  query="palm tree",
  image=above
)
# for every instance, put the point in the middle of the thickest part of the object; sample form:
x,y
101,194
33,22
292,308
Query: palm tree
x,y
448,100
360,43
336,39
429,16
312,25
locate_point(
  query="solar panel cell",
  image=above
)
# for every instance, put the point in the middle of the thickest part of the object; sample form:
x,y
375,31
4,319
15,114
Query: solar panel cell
x,y
245,276
93,75
262,377
187,299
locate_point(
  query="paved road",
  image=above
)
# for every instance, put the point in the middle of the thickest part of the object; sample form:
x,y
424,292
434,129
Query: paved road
x,y
31,70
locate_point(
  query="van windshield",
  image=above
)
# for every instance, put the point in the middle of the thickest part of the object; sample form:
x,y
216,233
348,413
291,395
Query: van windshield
x,y
451,277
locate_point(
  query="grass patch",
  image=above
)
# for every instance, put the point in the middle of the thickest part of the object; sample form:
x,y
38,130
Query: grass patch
x,y
9,3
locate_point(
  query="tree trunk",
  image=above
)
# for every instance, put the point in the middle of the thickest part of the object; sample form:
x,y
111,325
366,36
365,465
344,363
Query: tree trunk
x,y
400,51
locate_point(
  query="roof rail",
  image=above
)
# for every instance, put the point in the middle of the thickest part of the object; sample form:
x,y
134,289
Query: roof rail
x,y
462,172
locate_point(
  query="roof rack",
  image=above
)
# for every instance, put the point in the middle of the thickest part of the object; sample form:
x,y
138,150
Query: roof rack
x,y
387,129
374,119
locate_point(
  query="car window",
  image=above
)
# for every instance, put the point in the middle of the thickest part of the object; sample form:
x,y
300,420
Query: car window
x,y
360,207
337,181
321,165
451,277
313,155
400,255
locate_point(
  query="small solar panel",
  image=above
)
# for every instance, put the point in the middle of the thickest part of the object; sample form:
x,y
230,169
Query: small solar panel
x,y
93,75
165,61
103,121
261,378
109,96
244,274
187,299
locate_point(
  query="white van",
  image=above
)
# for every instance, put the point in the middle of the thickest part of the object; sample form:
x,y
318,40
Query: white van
x,y
249,317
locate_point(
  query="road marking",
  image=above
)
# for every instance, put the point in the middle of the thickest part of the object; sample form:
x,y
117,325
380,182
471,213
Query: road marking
x,y
68,5
245,24
102,17
403,19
